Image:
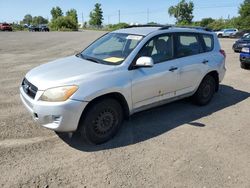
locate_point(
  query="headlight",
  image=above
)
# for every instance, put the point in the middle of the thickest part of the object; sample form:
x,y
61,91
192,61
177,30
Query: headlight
x,y
58,94
245,50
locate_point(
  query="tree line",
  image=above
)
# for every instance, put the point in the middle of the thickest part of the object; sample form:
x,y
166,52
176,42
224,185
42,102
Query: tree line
x,y
67,21
182,12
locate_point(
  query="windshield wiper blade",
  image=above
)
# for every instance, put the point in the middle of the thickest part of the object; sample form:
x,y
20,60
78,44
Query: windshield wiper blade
x,y
93,60
89,58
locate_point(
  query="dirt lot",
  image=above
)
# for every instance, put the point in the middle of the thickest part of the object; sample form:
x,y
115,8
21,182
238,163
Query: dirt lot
x,y
176,145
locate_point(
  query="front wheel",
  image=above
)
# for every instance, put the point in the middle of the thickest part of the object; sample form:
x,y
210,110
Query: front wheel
x,y
101,121
206,91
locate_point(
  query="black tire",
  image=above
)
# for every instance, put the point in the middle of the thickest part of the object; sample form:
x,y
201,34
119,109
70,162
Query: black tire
x,y
205,92
220,36
243,65
102,121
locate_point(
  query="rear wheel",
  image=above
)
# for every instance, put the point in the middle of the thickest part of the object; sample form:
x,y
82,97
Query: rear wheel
x,y
206,91
101,121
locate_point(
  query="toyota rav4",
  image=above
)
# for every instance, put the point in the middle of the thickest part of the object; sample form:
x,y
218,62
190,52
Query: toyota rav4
x,y
121,73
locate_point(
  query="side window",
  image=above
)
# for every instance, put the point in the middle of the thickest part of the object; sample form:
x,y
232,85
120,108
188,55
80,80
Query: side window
x,y
209,42
132,44
160,48
187,44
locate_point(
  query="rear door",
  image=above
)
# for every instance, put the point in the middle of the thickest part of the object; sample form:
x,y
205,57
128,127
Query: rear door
x,y
192,62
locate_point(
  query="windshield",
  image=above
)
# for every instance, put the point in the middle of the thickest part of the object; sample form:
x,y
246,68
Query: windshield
x,y
246,37
111,49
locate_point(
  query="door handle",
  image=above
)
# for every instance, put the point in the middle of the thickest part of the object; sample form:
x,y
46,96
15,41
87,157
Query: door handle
x,y
172,69
205,61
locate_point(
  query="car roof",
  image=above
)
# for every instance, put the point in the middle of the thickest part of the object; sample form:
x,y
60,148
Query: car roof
x,y
138,30
147,30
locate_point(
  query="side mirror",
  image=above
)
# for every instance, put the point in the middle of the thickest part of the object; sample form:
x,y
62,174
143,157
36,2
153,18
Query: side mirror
x,y
146,62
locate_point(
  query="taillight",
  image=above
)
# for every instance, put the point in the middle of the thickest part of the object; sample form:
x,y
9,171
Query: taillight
x,y
223,53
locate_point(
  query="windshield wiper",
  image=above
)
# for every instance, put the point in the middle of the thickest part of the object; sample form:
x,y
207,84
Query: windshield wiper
x,y
88,58
93,60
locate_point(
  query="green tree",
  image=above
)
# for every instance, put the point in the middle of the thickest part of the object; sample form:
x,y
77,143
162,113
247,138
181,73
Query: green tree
x,y
206,21
117,26
217,24
183,12
73,14
244,12
63,23
96,16
244,9
27,19
56,12
152,23
39,20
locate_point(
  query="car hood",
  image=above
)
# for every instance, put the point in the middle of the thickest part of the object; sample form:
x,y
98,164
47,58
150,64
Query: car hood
x,y
69,70
241,41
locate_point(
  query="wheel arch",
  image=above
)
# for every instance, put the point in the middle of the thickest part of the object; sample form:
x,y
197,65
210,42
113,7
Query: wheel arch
x,y
215,75
114,95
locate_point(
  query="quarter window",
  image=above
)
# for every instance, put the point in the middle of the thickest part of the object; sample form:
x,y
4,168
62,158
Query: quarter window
x,y
208,40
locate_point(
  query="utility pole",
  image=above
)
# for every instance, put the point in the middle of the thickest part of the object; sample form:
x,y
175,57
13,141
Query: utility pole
x,y
82,20
147,16
119,16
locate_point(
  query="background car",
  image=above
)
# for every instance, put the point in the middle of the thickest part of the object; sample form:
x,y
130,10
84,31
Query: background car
x,y
43,28
5,27
245,57
33,28
239,34
239,44
226,32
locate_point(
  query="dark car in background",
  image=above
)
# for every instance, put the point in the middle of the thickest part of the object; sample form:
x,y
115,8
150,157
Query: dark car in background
x,y
5,27
43,28
33,28
241,43
239,34
245,57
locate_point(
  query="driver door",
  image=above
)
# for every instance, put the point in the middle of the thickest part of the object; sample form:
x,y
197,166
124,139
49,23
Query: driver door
x,y
152,85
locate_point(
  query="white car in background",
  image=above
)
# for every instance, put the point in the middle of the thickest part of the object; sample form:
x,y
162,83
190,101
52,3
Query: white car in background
x,y
226,32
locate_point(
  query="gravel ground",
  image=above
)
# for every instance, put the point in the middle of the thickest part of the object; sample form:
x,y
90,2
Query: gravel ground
x,y
176,145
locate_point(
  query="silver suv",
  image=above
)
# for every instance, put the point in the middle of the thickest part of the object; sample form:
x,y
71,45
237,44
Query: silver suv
x,y
121,73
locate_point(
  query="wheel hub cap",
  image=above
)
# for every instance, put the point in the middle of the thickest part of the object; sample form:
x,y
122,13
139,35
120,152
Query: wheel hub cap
x,y
104,122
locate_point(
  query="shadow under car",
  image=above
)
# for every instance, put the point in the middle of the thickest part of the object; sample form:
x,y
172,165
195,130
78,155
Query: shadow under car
x,y
154,122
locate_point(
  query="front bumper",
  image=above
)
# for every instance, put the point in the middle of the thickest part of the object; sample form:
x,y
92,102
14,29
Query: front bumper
x,y
245,58
58,116
237,48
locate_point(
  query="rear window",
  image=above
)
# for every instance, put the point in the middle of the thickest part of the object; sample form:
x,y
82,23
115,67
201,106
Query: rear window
x,y
209,42
188,44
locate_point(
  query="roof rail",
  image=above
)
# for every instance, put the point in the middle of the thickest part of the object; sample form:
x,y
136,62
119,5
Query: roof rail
x,y
146,25
187,27
163,27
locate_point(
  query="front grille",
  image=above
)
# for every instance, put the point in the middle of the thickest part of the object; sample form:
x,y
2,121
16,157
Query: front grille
x,y
29,88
